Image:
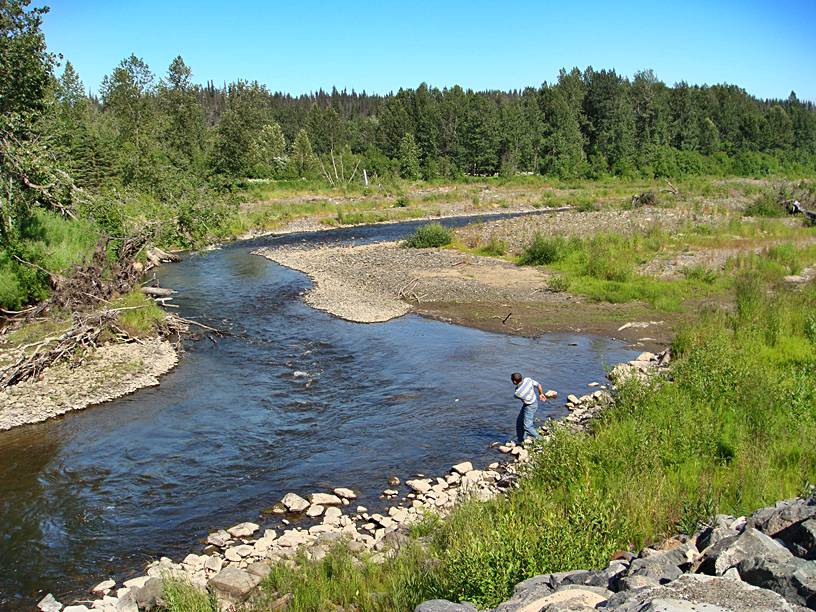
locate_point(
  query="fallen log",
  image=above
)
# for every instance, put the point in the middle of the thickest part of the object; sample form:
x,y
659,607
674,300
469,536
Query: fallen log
x,y
157,291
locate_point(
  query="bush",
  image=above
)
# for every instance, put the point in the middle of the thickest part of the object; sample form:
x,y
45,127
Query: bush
x,y
428,236
542,251
494,248
558,283
765,205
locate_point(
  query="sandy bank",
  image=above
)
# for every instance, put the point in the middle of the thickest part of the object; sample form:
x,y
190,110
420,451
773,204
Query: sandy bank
x,y
109,372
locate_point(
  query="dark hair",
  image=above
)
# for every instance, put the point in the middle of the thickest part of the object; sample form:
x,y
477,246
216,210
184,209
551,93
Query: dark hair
x,y
516,377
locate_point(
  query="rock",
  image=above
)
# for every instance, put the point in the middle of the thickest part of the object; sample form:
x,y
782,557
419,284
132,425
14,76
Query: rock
x,y
729,551
214,564
570,598
573,399
332,516
361,509
646,357
345,493
104,586
550,394
315,510
637,582
126,603
236,553
280,604
234,584
390,492
679,605
294,502
527,591
393,481
664,565
149,596
419,485
463,468
443,605
325,499
700,590
243,530
77,608
800,538
138,582
261,569
300,374
771,521
794,578
49,604
711,535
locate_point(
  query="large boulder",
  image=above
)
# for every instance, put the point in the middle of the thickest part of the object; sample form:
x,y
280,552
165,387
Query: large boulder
x,y
800,538
728,552
443,605
663,565
794,578
703,593
526,592
233,584
773,520
569,598
149,596
325,499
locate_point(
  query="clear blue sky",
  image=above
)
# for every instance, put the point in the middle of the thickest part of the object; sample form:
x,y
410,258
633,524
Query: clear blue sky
x,y
766,46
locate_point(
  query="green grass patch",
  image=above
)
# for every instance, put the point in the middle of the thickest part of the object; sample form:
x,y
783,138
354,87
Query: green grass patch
x,y
181,596
143,316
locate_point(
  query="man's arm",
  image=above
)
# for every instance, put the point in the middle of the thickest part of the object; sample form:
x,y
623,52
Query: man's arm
x,y
541,395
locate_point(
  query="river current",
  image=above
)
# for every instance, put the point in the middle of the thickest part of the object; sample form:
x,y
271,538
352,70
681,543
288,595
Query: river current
x,y
292,400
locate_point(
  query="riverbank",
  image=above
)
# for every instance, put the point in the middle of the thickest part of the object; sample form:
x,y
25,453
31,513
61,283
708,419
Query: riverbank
x,y
307,528
108,372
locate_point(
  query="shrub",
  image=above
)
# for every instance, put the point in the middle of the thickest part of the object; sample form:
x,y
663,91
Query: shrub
x,y
606,259
494,248
401,202
765,205
428,236
542,251
558,283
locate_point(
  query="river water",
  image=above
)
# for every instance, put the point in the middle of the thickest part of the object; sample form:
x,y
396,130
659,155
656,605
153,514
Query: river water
x,y
237,424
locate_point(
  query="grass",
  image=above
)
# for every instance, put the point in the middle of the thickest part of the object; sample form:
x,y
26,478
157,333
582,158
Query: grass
x,y
429,236
731,432
181,596
141,321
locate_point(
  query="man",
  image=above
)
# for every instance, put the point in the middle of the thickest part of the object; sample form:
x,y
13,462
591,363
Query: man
x,y
525,391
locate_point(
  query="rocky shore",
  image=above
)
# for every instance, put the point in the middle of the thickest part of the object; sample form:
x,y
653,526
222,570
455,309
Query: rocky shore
x,y
110,371
234,561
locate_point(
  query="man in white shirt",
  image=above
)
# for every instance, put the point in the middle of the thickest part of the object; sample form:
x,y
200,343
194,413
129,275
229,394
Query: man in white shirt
x,y
526,392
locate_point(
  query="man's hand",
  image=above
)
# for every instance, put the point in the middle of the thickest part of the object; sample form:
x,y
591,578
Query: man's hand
x,y
542,397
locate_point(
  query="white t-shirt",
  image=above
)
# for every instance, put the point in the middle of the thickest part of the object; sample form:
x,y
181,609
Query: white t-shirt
x,y
526,391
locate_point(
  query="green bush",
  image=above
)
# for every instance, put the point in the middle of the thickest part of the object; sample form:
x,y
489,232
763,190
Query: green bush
x,y
428,236
766,205
494,248
542,251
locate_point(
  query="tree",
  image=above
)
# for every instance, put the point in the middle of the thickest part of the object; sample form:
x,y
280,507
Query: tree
x,y
126,95
409,157
183,125
269,150
303,160
25,63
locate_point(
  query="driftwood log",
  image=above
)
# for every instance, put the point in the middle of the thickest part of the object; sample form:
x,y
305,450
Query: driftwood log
x,y
82,336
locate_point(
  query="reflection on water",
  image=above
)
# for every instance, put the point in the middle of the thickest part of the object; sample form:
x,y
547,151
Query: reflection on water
x,y
233,428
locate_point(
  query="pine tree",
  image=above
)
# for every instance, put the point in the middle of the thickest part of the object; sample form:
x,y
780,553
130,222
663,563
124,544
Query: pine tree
x,y
409,157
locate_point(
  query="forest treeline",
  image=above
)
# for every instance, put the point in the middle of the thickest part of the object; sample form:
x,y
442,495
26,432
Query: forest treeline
x,y
160,153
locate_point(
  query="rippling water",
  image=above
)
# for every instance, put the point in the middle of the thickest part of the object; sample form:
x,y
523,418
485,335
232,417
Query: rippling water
x,y
233,427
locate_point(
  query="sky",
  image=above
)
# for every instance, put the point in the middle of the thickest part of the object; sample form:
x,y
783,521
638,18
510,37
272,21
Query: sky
x,y
766,47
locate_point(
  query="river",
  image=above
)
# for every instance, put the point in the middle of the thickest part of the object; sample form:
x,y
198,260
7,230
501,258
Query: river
x,y
292,400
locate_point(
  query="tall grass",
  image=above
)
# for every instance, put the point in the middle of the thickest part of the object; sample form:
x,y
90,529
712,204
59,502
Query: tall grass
x,y
732,431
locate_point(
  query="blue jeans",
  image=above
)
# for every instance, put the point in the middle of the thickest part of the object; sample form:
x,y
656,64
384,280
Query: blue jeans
x,y
524,422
